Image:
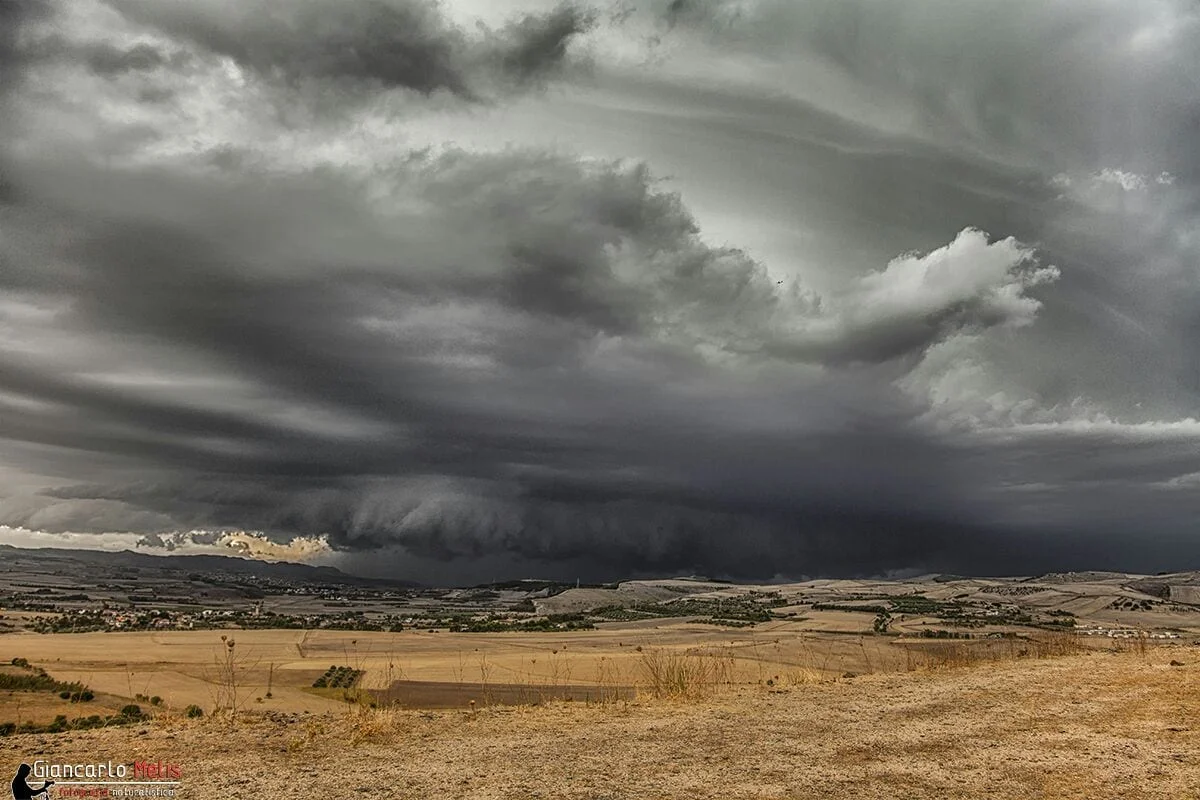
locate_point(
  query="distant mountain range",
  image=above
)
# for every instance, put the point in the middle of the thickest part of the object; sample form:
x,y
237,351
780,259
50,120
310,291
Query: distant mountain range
x,y
11,558
45,556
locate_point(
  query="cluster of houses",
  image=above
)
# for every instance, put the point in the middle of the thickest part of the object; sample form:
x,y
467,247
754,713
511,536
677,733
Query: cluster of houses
x,y
1126,633
177,620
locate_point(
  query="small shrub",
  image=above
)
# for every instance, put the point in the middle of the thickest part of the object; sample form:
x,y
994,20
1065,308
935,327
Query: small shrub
x,y
156,700
193,711
131,711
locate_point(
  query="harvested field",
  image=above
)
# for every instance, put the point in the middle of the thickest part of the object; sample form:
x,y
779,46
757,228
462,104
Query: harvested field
x,y
446,694
1081,727
275,669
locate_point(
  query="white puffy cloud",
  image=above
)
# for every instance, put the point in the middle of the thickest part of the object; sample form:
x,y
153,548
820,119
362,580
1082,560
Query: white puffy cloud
x,y
969,276
917,300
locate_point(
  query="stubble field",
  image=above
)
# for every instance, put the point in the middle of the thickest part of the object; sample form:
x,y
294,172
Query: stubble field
x,y
276,669
1091,725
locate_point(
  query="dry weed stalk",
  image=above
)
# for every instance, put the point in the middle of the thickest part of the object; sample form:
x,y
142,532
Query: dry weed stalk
x,y
365,722
684,675
485,674
227,677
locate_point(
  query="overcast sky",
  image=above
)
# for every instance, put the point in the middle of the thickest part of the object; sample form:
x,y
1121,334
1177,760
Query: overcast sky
x,y
752,288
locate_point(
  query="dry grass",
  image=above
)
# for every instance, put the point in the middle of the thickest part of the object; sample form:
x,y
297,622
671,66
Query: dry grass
x,y
1092,725
366,722
802,676
950,654
685,675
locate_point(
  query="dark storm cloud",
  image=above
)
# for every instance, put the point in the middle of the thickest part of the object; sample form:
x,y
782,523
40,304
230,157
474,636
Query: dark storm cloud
x,y
102,58
406,44
386,43
523,358
11,16
623,528
537,46
15,16
105,59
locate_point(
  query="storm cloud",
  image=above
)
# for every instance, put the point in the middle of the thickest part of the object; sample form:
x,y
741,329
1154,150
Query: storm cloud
x,y
742,297
369,45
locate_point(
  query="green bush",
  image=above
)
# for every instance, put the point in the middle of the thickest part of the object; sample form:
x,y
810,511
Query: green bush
x,y
193,711
338,678
30,683
131,711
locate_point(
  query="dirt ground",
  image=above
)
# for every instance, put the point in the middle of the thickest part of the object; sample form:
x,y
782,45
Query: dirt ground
x,y
1098,725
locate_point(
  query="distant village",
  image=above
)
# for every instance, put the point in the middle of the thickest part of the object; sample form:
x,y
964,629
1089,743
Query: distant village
x,y
135,619
1126,633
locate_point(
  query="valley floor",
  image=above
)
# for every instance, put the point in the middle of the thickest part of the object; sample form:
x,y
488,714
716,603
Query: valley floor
x,y
1099,725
